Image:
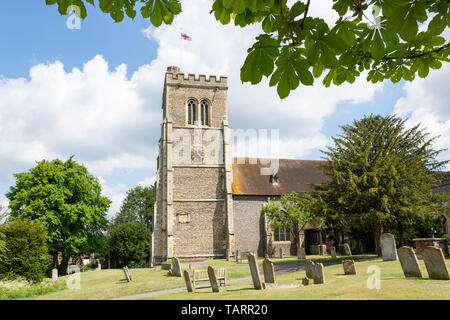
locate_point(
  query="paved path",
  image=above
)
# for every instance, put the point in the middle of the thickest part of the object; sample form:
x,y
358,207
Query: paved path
x,y
278,270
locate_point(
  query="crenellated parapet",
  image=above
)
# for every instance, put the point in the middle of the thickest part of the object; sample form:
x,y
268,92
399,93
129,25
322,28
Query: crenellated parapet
x,y
177,78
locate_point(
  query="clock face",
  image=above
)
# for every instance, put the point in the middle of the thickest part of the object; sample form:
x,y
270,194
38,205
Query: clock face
x,y
197,155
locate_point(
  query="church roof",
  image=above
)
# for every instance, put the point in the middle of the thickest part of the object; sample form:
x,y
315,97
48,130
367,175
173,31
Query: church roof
x,y
292,175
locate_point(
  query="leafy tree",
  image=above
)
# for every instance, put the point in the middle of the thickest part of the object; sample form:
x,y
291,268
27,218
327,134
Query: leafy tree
x,y
129,243
293,211
137,207
26,250
67,199
380,176
295,48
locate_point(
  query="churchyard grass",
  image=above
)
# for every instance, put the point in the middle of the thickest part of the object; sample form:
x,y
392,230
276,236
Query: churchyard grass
x,y
393,286
107,284
21,288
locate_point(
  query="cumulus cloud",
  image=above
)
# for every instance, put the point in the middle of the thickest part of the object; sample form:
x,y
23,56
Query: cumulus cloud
x,y
111,122
427,103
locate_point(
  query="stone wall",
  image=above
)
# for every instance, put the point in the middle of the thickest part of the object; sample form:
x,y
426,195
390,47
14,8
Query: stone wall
x,y
249,224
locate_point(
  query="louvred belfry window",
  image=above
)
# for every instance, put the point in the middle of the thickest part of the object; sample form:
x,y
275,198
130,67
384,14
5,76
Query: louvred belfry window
x,y
204,106
192,111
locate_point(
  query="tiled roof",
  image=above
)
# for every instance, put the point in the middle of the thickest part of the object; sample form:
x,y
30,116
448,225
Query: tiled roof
x,y
292,175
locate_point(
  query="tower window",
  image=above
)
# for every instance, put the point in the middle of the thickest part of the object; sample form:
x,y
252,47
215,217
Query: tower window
x,y
282,234
192,111
204,113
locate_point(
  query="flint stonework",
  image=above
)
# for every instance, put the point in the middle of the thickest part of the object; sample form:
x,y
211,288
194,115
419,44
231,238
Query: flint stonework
x,y
281,253
410,264
388,249
349,266
269,272
435,263
187,279
254,271
213,279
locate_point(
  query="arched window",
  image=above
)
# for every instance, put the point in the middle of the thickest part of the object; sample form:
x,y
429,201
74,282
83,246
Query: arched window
x,y
192,111
204,106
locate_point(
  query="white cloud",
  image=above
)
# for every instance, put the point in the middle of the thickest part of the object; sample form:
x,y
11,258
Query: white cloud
x,y
427,103
147,182
116,194
110,122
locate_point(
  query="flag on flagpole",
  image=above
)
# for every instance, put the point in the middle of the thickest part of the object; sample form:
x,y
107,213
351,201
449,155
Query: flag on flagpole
x,y
186,37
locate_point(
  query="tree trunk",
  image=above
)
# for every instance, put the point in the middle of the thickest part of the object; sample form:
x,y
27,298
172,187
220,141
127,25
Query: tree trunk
x,y
378,230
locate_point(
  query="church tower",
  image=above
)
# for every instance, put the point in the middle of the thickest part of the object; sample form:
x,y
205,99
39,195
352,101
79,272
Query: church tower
x,y
193,215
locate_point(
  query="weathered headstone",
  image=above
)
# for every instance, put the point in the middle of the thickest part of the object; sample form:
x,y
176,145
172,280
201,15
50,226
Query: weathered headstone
x,y
301,254
388,249
435,263
127,275
227,254
187,279
166,266
333,252
213,279
176,267
54,274
281,253
269,272
349,266
346,248
410,264
99,267
319,274
322,249
309,269
306,281
254,271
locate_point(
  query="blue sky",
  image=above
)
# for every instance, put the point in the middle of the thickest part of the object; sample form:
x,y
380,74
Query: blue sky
x,y
108,114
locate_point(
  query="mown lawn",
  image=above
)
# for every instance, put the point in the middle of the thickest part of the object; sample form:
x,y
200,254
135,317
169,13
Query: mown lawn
x,y
393,285
108,284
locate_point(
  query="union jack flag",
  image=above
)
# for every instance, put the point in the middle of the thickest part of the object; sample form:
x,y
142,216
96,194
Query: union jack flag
x,y
186,37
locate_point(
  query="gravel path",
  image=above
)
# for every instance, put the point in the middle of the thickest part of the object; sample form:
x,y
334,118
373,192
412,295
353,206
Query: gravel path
x,y
278,270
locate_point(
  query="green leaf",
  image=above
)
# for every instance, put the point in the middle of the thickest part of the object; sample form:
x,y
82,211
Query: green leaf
x,y
313,53
377,46
409,28
297,9
437,25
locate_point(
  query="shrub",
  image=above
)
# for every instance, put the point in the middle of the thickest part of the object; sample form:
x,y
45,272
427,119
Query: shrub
x,y
26,250
128,243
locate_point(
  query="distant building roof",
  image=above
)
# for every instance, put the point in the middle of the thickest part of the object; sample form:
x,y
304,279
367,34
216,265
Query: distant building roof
x,y
292,175
444,186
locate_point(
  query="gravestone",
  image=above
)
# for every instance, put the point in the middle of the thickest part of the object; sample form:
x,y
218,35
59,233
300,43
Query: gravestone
x,y
187,279
333,252
254,271
301,254
176,267
269,272
281,253
54,274
166,266
237,256
388,249
127,275
319,274
435,263
99,267
349,266
410,264
322,249
346,249
213,279
305,281
309,269
227,254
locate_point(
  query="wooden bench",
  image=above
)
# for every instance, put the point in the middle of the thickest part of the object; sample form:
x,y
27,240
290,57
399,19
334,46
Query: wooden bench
x,y
202,275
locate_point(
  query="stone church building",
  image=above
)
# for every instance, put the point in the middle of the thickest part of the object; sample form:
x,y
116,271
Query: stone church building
x,y
207,201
